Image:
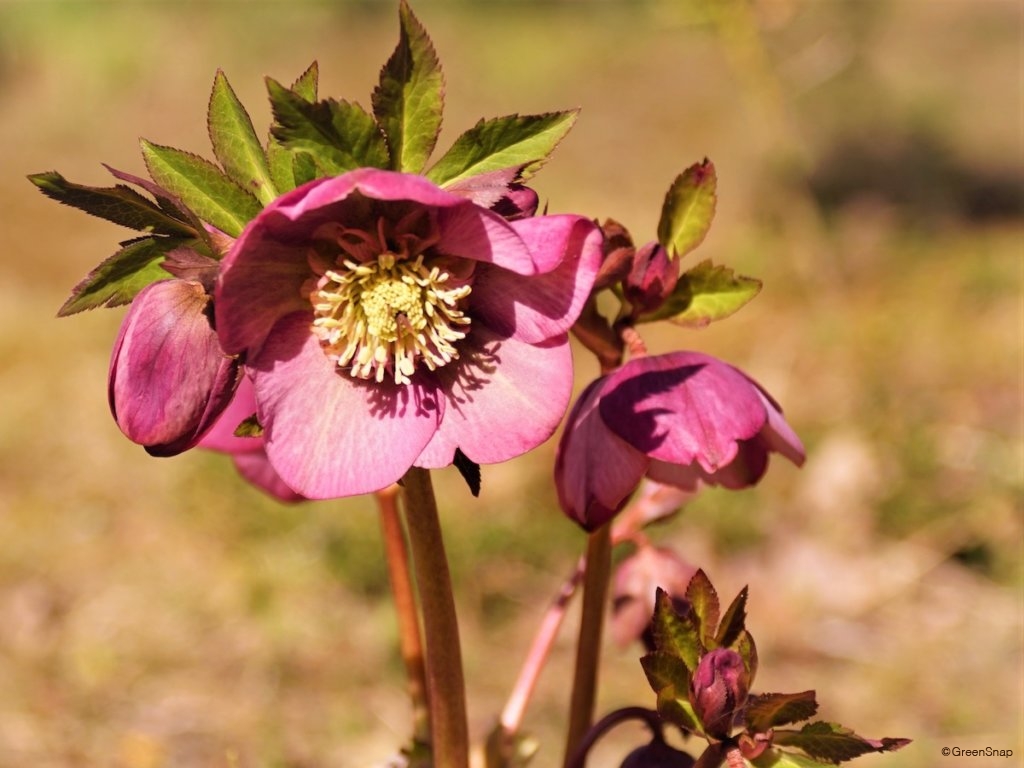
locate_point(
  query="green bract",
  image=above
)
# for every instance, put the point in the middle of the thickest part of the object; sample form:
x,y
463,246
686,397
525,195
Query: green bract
x,y
310,138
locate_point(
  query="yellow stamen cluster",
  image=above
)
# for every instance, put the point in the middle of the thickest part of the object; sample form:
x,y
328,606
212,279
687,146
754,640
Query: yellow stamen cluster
x,y
388,315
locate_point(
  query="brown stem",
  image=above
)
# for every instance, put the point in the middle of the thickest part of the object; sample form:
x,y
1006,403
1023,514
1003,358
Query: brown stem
x,y
445,682
588,648
404,594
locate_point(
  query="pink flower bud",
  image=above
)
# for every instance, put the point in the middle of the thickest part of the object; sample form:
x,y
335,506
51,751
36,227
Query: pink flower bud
x,y
652,279
718,690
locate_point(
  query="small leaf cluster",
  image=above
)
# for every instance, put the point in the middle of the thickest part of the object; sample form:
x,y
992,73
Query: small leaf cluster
x,y
694,298
203,205
686,631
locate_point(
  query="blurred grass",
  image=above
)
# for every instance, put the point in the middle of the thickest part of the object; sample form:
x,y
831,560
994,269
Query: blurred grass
x,y
159,613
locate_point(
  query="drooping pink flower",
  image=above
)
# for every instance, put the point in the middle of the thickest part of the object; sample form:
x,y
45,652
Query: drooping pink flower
x,y
248,453
385,323
169,379
682,418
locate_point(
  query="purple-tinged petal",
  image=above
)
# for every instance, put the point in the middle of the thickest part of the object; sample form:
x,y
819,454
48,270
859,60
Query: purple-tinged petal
x,y
221,436
486,189
328,434
502,399
777,435
169,378
520,203
637,579
466,229
255,467
260,282
569,250
683,407
595,470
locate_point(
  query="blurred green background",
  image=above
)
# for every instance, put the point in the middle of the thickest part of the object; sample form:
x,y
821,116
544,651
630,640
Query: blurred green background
x,y
160,613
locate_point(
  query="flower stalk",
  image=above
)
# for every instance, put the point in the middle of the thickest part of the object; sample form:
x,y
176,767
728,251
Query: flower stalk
x,y
446,688
404,594
588,648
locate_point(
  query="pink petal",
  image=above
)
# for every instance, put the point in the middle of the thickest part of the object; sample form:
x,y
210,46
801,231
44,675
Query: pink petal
x,y
327,434
466,230
221,436
256,468
777,435
568,249
683,407
595,470
503,398
169,378
260,282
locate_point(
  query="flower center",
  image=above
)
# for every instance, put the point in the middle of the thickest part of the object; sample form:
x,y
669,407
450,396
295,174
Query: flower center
x,y
388,316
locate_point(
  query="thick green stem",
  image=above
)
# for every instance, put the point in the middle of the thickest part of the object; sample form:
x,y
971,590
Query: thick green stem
x,y
445,683
588,648
406,609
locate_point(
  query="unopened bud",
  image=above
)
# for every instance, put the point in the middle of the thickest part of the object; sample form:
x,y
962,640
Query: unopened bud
x,y
718,690
652,278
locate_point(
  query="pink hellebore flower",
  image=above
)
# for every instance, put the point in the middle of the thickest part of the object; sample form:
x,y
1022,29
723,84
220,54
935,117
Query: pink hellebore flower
x,y
385,323
248,453
169,378
680,419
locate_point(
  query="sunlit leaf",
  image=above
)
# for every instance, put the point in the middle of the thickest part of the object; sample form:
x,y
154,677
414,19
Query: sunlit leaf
x,y
676,633
705,293
338,135
282,161
201,186
704,601
674,706
235,143
688,209
833,743
665,669
306,84
118,279
409,99
734,620
777,758
516,141
119,204
769,710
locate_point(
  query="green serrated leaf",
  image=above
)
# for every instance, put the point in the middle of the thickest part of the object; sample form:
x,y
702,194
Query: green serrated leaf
x,y
705,293
677,709
235,144
118,279
282,161
119,204
338,135
306,84
201,186
744,646
769,710
704,601
674,633
688,209
665,669
832,742
734,620
515,141
777,758
409,99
